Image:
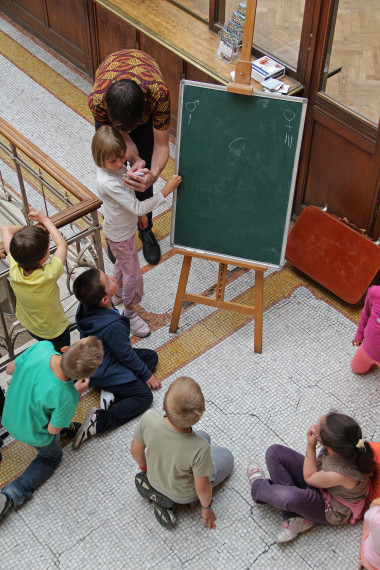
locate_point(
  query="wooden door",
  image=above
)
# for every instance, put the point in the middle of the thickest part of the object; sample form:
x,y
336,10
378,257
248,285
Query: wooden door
x,y
340,158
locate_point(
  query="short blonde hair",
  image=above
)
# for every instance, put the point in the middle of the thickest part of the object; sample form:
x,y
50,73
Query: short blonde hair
x,y
82,359
184,402
107,144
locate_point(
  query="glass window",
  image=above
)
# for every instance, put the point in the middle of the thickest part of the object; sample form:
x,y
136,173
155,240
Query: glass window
x,y
278,26
198,8
352,70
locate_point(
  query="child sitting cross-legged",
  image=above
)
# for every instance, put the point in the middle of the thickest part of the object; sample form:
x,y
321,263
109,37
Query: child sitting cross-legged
x,y
177,463
125,372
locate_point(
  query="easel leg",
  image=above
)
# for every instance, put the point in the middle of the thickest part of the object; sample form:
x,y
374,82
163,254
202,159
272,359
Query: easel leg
x,y
180,293
259,296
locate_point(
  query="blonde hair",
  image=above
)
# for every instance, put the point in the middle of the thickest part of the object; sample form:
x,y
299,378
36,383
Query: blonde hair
x,y
107,144
83,358
184,402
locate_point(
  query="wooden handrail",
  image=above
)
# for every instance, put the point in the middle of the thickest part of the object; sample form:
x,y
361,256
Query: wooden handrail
x,y
88,202
46,163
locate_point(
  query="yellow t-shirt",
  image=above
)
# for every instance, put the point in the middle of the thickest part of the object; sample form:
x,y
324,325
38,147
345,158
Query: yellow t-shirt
x,y
38,304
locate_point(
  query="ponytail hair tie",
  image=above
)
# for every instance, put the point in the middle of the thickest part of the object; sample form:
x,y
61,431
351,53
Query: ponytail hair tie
x,y
360,444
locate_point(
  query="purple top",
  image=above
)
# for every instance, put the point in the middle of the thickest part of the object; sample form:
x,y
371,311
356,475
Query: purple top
x,y
369,323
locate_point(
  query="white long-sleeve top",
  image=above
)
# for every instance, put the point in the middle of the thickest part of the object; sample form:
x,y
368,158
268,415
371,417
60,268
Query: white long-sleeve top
x,y
120,205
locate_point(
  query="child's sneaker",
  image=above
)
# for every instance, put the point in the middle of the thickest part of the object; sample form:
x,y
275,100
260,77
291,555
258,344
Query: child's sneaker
x,y
116,299
138,326
5,505
148,492
106,399
254,472
292,528
87,429
164,516
71,430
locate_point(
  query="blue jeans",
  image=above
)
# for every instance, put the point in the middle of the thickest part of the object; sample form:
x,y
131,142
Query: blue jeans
x,y
46,462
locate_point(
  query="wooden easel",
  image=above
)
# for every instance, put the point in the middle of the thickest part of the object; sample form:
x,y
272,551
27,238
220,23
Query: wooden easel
x,y
240,85
256,311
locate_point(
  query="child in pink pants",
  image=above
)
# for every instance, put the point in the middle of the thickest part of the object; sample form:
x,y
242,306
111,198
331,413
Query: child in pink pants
x,y
367,336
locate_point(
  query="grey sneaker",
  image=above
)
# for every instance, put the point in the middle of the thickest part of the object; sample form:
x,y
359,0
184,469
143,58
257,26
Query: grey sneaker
x,y
106,399
5,505
292,528
254,472
87,429
138,326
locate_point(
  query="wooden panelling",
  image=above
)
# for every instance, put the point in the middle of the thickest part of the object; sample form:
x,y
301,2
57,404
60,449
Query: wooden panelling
x,y
171,66
114,33
338,176
63,25
195,74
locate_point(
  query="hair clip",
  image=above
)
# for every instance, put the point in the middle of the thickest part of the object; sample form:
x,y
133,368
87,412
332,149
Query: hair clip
x,y
360,444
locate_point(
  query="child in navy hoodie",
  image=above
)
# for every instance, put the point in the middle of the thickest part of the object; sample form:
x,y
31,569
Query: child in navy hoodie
x,y
126,372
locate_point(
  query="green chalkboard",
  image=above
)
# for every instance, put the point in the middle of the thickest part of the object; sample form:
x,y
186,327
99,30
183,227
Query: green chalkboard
x,y
238,157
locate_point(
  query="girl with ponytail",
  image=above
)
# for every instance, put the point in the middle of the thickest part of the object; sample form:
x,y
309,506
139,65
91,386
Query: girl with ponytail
x,y
331,487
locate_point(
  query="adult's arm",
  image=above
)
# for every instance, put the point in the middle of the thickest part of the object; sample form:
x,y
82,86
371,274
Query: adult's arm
x,y
11,367
159,159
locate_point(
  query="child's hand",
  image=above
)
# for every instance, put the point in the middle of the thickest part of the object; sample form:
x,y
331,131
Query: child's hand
x,y
37,215
143,222
356,342
82,385
153,383
311,439
209,518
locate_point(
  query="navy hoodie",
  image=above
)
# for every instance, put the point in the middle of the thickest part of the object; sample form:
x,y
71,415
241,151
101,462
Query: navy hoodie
x,y
121,363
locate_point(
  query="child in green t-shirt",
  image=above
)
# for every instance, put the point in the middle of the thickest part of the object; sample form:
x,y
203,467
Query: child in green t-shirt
x,y
177,463
41,400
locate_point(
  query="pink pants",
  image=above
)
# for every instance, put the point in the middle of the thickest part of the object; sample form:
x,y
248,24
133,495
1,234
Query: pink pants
x,y
127,271
361,362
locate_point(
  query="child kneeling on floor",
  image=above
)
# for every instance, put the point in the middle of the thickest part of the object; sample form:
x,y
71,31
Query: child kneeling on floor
x,y
177,463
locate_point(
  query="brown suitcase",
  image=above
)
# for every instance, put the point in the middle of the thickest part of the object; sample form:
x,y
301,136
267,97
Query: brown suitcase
x,y
333,254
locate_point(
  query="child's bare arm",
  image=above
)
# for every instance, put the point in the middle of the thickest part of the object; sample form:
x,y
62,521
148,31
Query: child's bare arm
x,y
171,185
203,488
7,233
138,454
82,385
53,430
40,217
11,367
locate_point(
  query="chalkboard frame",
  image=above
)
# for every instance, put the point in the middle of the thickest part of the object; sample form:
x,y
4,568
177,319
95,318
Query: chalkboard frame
x,y
299,100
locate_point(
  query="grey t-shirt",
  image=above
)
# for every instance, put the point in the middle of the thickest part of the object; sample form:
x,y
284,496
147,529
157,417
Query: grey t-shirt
x,y
173,458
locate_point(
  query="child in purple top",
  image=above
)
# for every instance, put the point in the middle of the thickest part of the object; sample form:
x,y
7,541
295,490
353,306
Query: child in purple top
x,y
367,337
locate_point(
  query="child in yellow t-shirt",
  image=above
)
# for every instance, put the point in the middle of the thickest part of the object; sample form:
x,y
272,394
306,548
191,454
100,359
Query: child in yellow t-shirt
x,y
34,279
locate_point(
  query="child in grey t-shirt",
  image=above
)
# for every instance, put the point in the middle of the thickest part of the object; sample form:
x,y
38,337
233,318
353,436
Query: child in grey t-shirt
x,y
177,463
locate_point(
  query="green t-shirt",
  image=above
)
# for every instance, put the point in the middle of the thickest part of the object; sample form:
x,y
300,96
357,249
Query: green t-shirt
x,y
173,458
36,397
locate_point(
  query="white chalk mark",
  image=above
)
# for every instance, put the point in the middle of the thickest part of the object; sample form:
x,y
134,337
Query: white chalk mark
x,y
190,107
236,147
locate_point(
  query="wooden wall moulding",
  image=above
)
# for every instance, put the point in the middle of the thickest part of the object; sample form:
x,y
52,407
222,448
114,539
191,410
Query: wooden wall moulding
x,y
65,26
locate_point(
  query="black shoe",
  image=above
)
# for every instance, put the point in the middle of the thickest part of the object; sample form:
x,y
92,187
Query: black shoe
x,y
5,505
165,517
151,248
71,430
148,492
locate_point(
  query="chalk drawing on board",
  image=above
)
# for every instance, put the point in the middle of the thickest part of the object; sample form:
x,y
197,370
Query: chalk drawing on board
x,y
235,147
190,108
289,116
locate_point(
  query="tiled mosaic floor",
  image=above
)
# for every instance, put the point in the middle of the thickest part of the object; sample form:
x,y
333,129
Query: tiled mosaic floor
x,y
88,515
